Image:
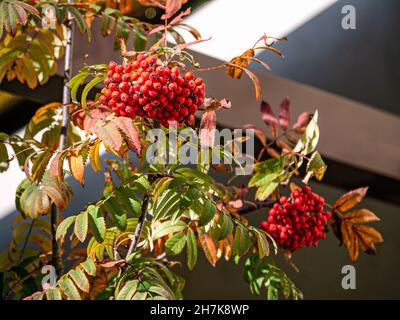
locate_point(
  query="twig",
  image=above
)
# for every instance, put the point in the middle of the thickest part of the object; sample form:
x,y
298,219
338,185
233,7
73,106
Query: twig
x,y
56,260
139,226
258,206
26,240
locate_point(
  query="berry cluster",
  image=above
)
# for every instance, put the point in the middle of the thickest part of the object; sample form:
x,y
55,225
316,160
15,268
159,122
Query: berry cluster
x,y
148,89
297,221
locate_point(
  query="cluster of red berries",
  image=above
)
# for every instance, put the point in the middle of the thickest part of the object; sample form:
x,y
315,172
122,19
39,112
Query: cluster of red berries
x,y
297,221
148,89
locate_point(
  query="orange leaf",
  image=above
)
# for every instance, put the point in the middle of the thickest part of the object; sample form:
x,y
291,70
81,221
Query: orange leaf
x,y
368,234
208,246
361,216
350,199
350,240
76,165
237,65
294,186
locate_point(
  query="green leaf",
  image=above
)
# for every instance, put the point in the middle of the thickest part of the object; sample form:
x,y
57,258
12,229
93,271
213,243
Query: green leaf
x,y
139,40
262,243
168,227
241,241
315,167
162,292
87,89
267,167
309,140
59,192
167,204
116,213
160,186
127,292
175,244
12,18
39,165
68,289
225,226
191,249
194,175
64,226
76,82
96,223
32,200
81,226
263,273
266,190
89,267
3,158
209,211
80,279
53,294
80,21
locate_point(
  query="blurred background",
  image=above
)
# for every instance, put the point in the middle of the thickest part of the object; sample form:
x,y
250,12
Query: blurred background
x,y
350,75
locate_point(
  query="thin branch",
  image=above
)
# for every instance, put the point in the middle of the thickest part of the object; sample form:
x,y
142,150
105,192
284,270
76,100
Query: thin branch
x,y
57,260
266,204
139,226
26,240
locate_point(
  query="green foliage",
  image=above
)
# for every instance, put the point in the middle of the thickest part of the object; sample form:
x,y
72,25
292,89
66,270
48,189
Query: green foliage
x,y
261,273
31,56
15,13
98,74
123,243
272,172
34,199
148,279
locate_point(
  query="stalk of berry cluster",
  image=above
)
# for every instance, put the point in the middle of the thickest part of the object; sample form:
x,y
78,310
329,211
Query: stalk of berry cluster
x,y
66,101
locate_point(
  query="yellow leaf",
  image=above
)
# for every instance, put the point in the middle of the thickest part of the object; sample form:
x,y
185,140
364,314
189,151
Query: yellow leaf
x,y
76,165
94,157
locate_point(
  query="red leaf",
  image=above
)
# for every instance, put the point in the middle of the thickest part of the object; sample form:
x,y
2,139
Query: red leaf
x,y
54,165
95,115
284,114
215,104
171,7
260,134
188,44
207,128
129,132
269,118
110,135
302,122
179,17
111,264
